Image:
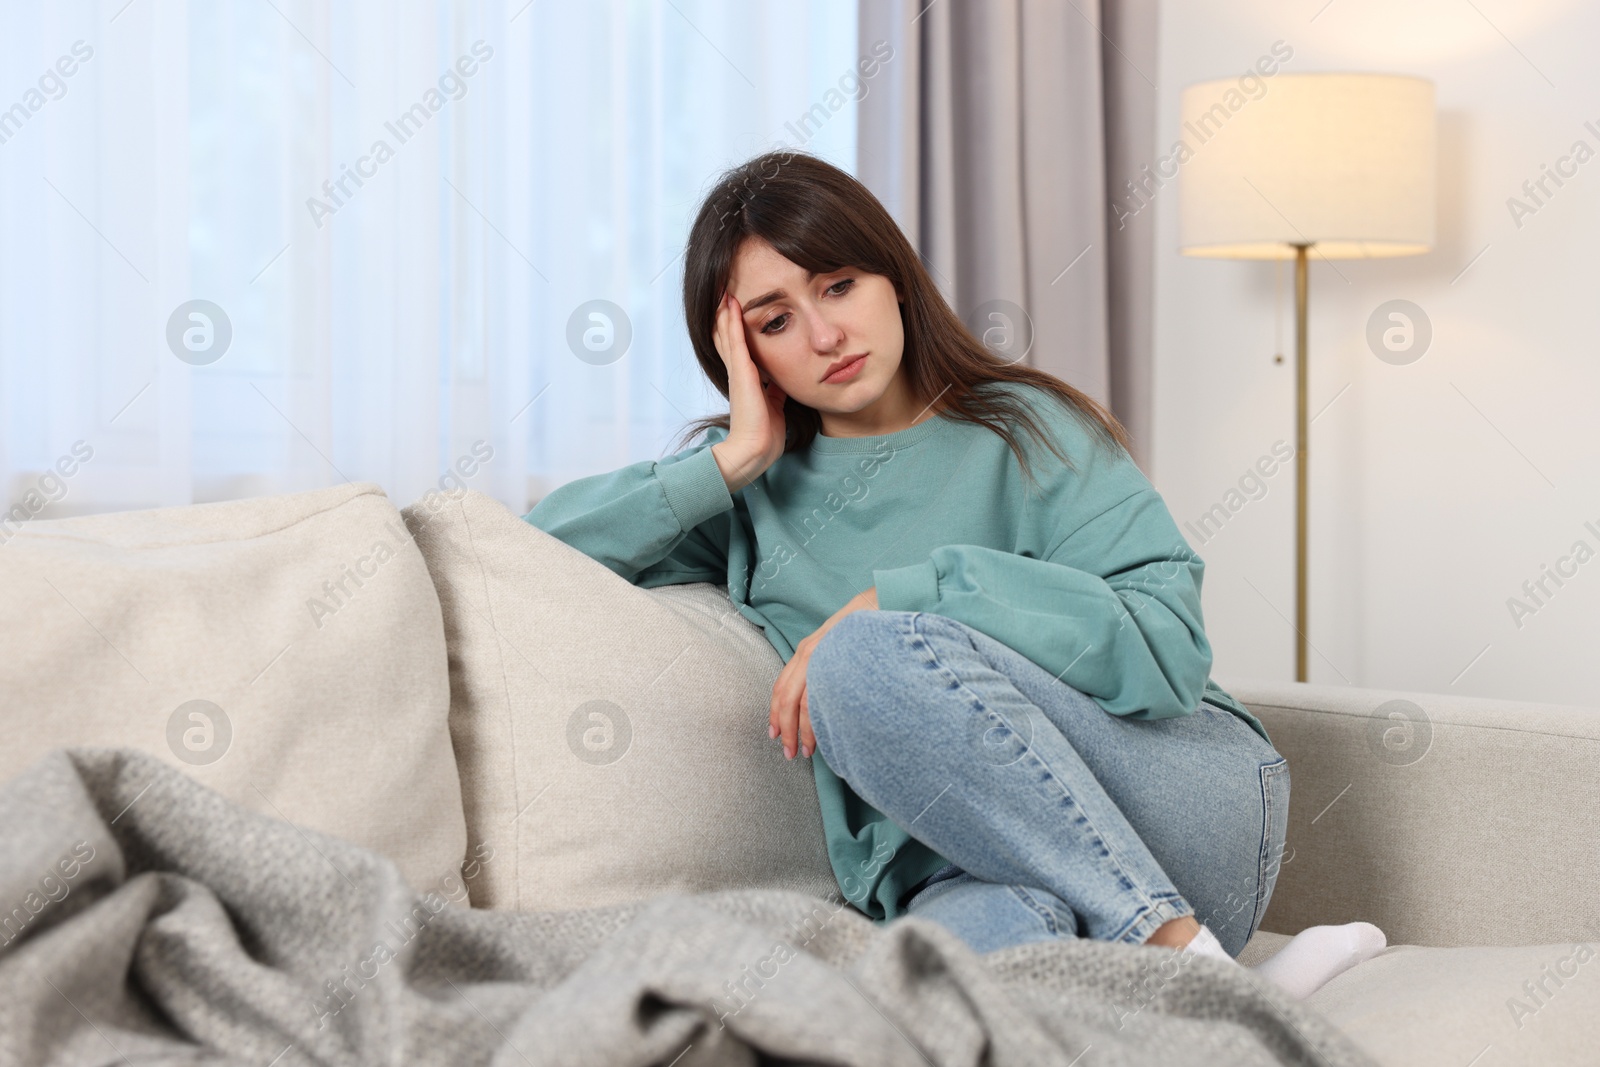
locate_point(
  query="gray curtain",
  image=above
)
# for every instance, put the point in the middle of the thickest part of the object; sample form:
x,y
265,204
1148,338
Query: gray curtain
x,y
997,134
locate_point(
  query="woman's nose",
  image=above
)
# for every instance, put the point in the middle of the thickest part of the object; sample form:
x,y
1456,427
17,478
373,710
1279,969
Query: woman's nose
x,y
825,335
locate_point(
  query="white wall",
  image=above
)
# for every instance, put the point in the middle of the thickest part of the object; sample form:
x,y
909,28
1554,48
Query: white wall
x,y
1439,487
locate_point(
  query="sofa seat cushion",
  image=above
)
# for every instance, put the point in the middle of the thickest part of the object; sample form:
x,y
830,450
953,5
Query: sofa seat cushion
x,y
1413,1006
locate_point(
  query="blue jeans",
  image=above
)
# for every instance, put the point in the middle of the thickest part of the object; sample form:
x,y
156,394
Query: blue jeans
x,y
1059,819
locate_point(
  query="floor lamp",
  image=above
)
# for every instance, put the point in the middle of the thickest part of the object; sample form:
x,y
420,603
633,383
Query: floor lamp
x,y
1301,166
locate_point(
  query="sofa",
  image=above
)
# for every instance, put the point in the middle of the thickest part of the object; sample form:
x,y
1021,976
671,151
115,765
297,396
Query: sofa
x,y
456,690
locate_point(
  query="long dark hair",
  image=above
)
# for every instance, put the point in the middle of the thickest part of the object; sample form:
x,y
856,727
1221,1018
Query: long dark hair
x,y
823,219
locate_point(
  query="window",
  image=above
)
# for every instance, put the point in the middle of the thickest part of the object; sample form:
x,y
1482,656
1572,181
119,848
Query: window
x,y
392,223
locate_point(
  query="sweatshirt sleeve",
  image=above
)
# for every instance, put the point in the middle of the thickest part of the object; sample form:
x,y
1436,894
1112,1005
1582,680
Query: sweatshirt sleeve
x,y
656,522
1112,608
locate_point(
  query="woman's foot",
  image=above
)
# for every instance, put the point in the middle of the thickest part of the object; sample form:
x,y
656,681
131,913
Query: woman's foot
x,y
1318,954
1308,962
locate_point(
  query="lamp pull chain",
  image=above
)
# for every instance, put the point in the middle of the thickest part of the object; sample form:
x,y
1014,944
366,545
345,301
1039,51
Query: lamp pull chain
x,y
1277,311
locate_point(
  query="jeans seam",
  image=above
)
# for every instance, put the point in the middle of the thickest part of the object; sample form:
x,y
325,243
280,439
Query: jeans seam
x,y
1268,774
1153,907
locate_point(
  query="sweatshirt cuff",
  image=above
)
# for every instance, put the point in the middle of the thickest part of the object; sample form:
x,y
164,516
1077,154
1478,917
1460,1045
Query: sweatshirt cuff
x,y
913,588
695,488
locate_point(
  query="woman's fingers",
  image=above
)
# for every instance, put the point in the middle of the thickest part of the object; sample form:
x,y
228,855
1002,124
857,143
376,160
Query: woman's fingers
x,y
794,724
729,331
775,729
719,332
808,740
729,340
732,328
788,726
788,717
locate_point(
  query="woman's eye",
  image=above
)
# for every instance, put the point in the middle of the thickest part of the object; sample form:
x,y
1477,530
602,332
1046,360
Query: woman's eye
x,y
834,288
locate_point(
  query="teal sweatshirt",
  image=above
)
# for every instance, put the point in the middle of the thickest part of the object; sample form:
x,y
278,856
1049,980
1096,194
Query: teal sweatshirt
x,y
1086,574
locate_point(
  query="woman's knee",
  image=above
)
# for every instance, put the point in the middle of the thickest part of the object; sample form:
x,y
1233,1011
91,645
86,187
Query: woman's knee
x,y
849,674
853,651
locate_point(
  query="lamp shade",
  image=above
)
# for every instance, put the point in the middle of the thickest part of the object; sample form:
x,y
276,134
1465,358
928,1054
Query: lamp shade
x,y
1342,161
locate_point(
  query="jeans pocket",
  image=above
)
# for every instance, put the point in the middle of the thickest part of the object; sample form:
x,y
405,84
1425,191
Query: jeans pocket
x,y
1274,831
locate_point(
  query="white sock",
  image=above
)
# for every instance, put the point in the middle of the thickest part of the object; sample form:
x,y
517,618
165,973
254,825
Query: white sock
x,y
1310,960
1205,943
1317,954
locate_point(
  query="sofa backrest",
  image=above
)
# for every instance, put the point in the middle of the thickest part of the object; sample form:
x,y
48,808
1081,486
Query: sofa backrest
x,y
1445,820
287,651
612,739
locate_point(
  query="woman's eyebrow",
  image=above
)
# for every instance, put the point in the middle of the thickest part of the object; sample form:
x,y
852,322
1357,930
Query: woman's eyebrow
x,y
776,294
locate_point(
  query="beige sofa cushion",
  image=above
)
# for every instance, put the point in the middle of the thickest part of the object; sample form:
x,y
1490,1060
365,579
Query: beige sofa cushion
x,y
1445,820
612,740
214,636
1449,1007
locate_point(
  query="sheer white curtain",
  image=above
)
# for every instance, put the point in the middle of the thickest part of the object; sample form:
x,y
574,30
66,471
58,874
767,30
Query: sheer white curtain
x,y
392,211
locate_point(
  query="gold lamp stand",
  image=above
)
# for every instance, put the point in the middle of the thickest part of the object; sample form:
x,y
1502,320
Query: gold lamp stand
x,y
1302,453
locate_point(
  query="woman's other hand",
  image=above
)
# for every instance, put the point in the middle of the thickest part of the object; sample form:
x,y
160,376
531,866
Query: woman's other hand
x,y
789,718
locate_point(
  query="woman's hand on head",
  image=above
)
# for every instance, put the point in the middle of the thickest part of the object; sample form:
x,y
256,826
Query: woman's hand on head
x,y
789,718
757,430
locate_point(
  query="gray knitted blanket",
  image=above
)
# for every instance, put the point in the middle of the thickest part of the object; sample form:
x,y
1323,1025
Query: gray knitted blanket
x,y
146,920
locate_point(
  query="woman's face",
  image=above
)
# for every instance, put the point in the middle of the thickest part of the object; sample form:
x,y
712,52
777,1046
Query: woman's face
x,y
798,326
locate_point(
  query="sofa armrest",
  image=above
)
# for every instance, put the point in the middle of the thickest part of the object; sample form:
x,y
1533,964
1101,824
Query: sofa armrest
x,y
1445,820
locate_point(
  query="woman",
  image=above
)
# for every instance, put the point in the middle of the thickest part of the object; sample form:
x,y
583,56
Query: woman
x,y
994,652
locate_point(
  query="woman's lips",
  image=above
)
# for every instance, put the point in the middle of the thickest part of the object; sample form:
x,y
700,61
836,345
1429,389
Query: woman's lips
x,y
848,371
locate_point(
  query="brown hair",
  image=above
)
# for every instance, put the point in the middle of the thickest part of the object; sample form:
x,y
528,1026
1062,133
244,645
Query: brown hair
x,y
823,219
